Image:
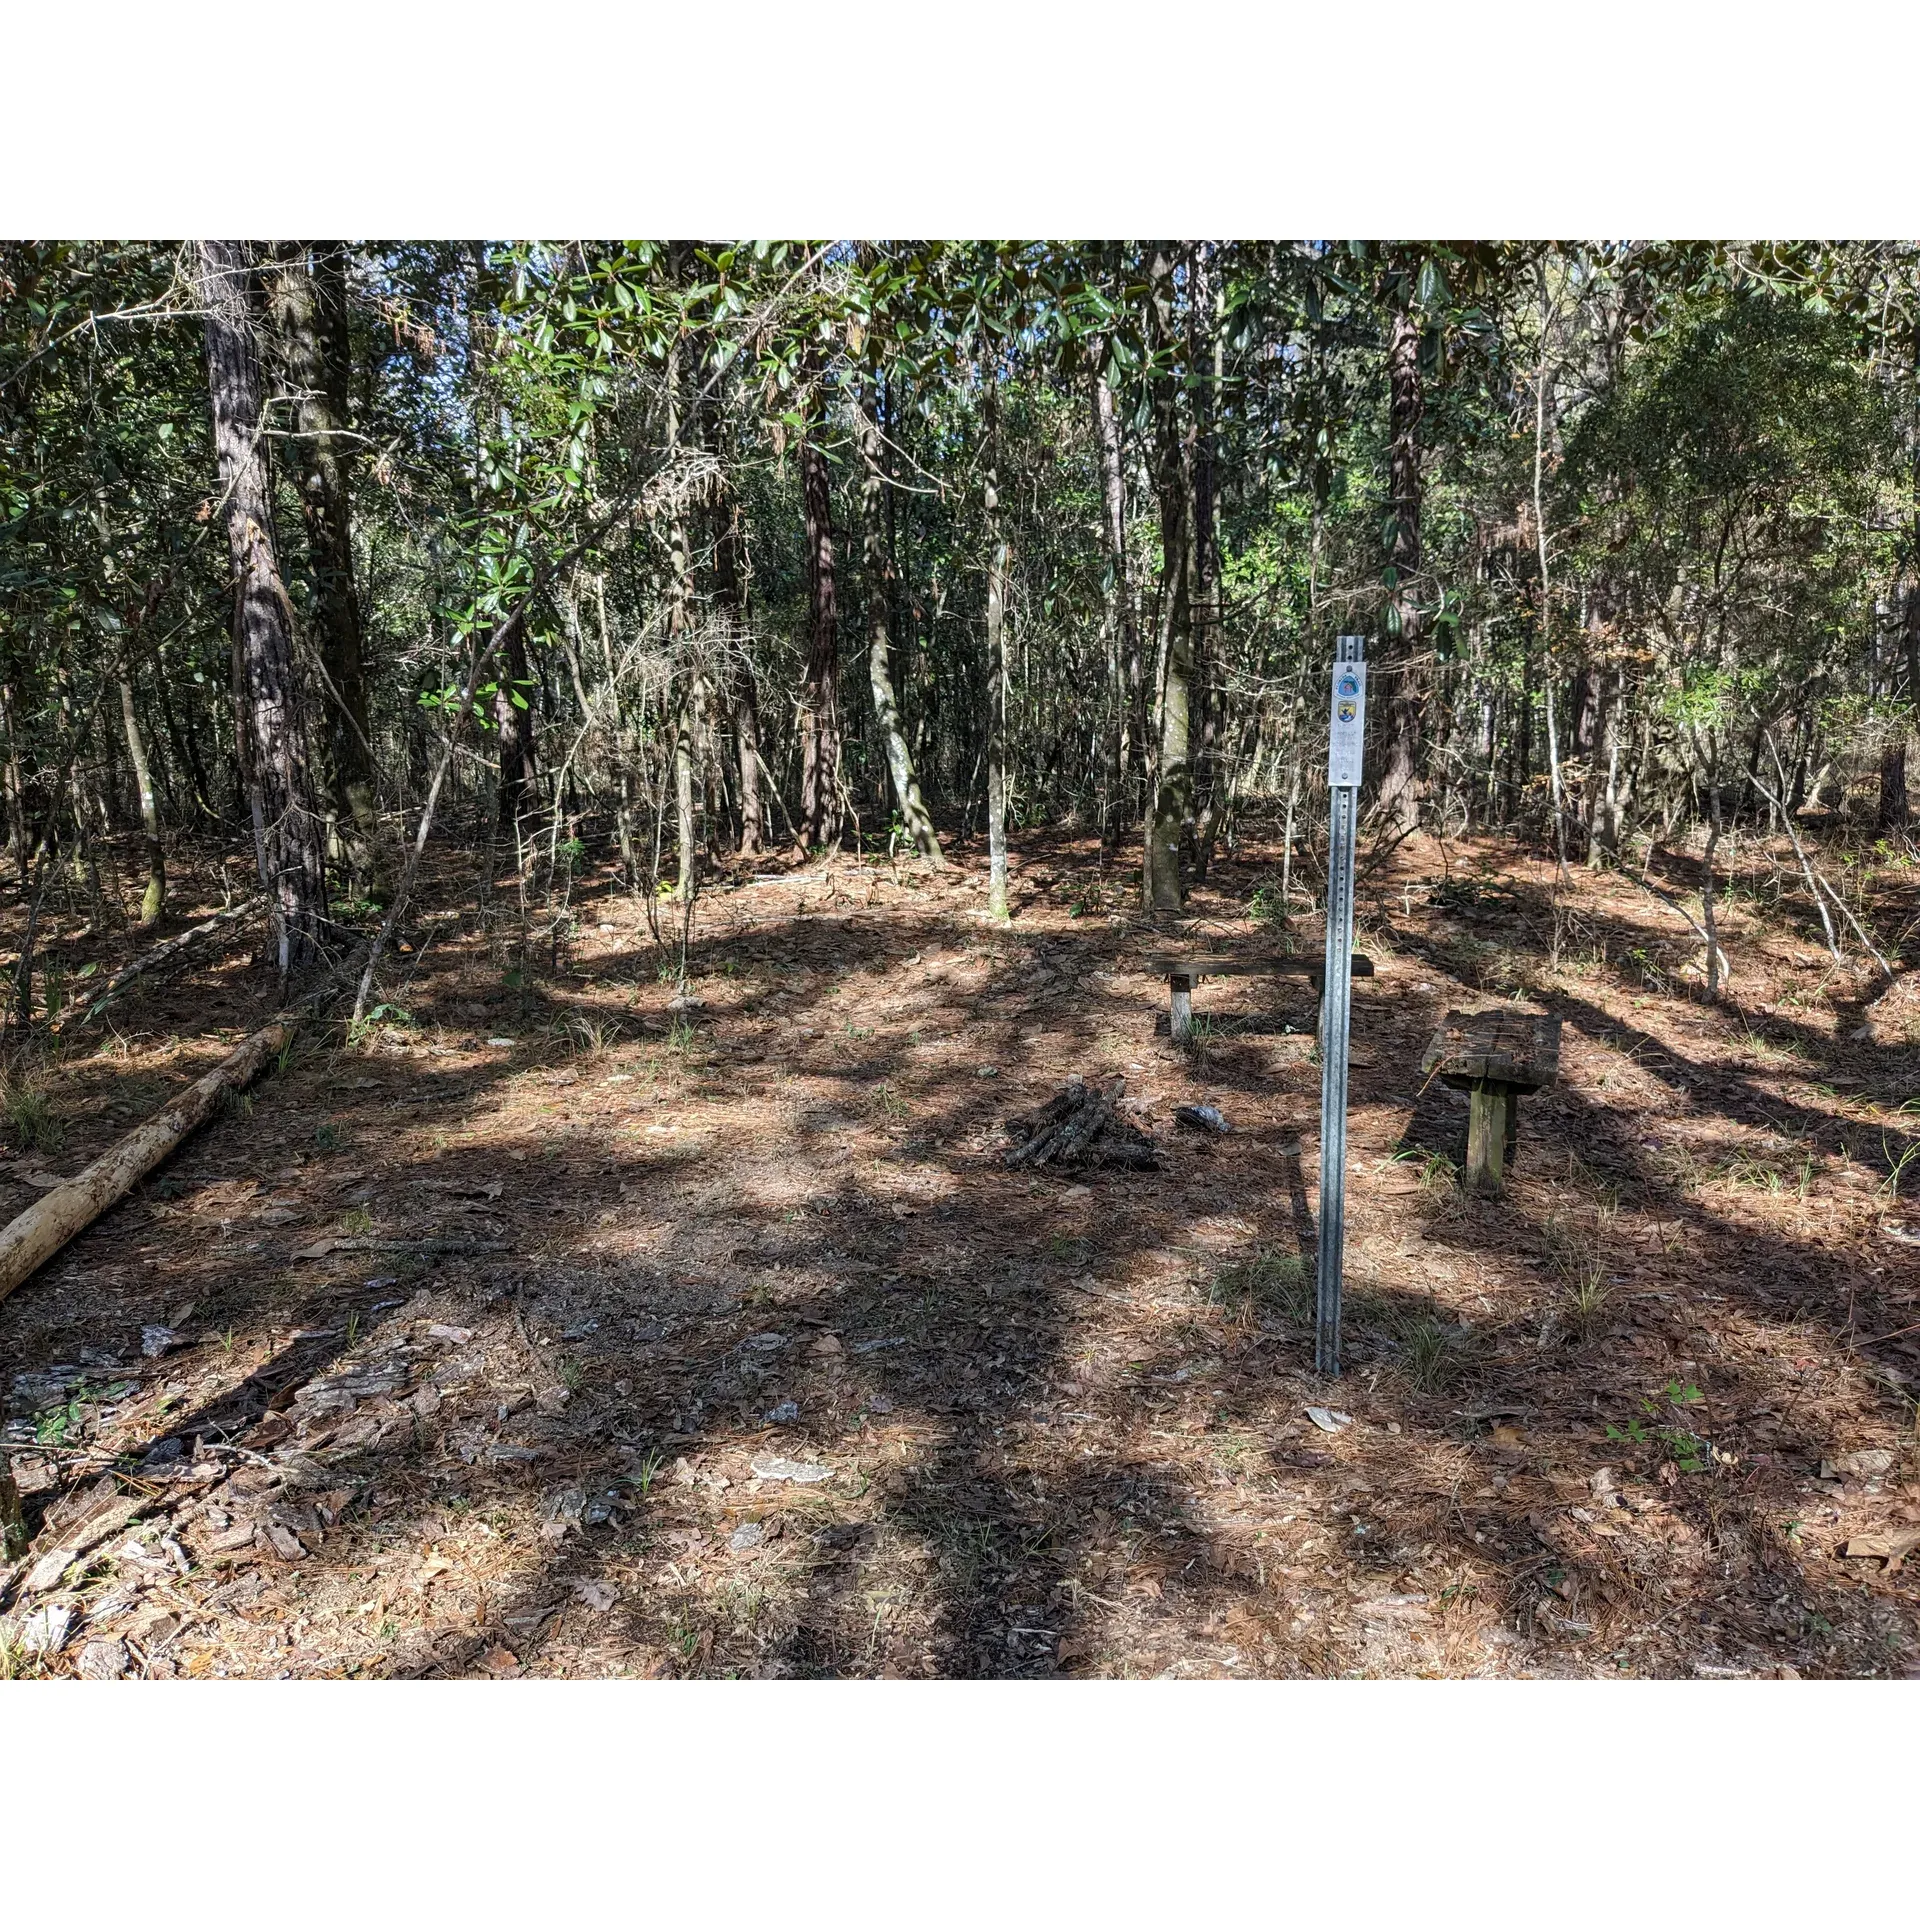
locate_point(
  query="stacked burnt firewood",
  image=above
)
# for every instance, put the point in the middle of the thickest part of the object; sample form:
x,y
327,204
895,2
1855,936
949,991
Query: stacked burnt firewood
x,y
1081,1126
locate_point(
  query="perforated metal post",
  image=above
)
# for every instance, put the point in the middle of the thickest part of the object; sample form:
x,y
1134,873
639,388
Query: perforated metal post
x,y
1345,751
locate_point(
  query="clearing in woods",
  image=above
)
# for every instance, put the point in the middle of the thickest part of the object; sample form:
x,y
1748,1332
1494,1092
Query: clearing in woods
x,y
553,1331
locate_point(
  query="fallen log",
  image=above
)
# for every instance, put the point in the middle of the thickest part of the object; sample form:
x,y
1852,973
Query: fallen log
x,y
33,1237
84,1006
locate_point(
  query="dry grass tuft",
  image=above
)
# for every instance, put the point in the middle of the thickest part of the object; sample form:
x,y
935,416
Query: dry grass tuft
x,y
28,1110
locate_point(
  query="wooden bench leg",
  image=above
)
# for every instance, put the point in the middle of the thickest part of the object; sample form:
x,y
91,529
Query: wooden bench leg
x,y
1490,1107
1180,1010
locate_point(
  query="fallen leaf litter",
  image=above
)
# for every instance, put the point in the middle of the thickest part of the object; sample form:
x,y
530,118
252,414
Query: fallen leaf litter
x,y
1026,1424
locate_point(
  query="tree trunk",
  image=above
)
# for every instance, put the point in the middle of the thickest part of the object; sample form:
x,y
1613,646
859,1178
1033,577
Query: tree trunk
x,y
310,306
1173,772
1894,812
1715,960
1546,598
820,717
1522,756
1399,795
154,902
996,667
879,570
1583,722
730,590
682,663
1131,727
268,722
513,717
509,707
1603,768
1206,799
1893,784
15,786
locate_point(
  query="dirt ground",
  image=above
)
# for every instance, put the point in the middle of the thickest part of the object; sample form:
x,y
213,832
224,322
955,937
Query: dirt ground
x,y
553,1330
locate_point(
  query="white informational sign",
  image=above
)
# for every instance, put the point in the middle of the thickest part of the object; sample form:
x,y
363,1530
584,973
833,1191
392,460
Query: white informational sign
x,y
1347,731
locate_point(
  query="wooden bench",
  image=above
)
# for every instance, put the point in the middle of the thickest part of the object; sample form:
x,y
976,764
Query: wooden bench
x,y
1495,1057
1183,971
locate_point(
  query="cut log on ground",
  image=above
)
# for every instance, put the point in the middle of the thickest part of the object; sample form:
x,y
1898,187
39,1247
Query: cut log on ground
x,y
167,954
32,1238
1081,1127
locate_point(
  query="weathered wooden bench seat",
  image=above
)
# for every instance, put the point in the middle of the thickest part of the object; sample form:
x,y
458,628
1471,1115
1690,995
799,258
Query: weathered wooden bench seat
x,y
1495,1057
1182,971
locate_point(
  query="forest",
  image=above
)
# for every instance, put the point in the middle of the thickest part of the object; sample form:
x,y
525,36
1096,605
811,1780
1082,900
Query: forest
x,y
699,551
619,770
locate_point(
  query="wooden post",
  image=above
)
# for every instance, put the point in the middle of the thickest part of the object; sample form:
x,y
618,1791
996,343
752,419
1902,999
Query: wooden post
x,y
1180,1009
1489,1105
1495,1057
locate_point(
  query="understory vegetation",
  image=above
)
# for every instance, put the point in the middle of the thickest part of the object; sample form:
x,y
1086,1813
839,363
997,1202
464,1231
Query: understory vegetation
x,y
690,551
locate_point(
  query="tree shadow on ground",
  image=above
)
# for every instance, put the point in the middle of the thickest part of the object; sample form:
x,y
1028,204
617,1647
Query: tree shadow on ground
x,y
1062,1435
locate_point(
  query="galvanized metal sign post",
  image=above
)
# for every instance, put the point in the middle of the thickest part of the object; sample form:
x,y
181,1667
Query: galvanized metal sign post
x,y
1345,751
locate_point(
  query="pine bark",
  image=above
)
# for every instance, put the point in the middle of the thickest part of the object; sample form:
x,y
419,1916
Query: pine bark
x,y
1131,729
820,717
1173,773
1207,798
513,720
997,566
310,309
269,723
